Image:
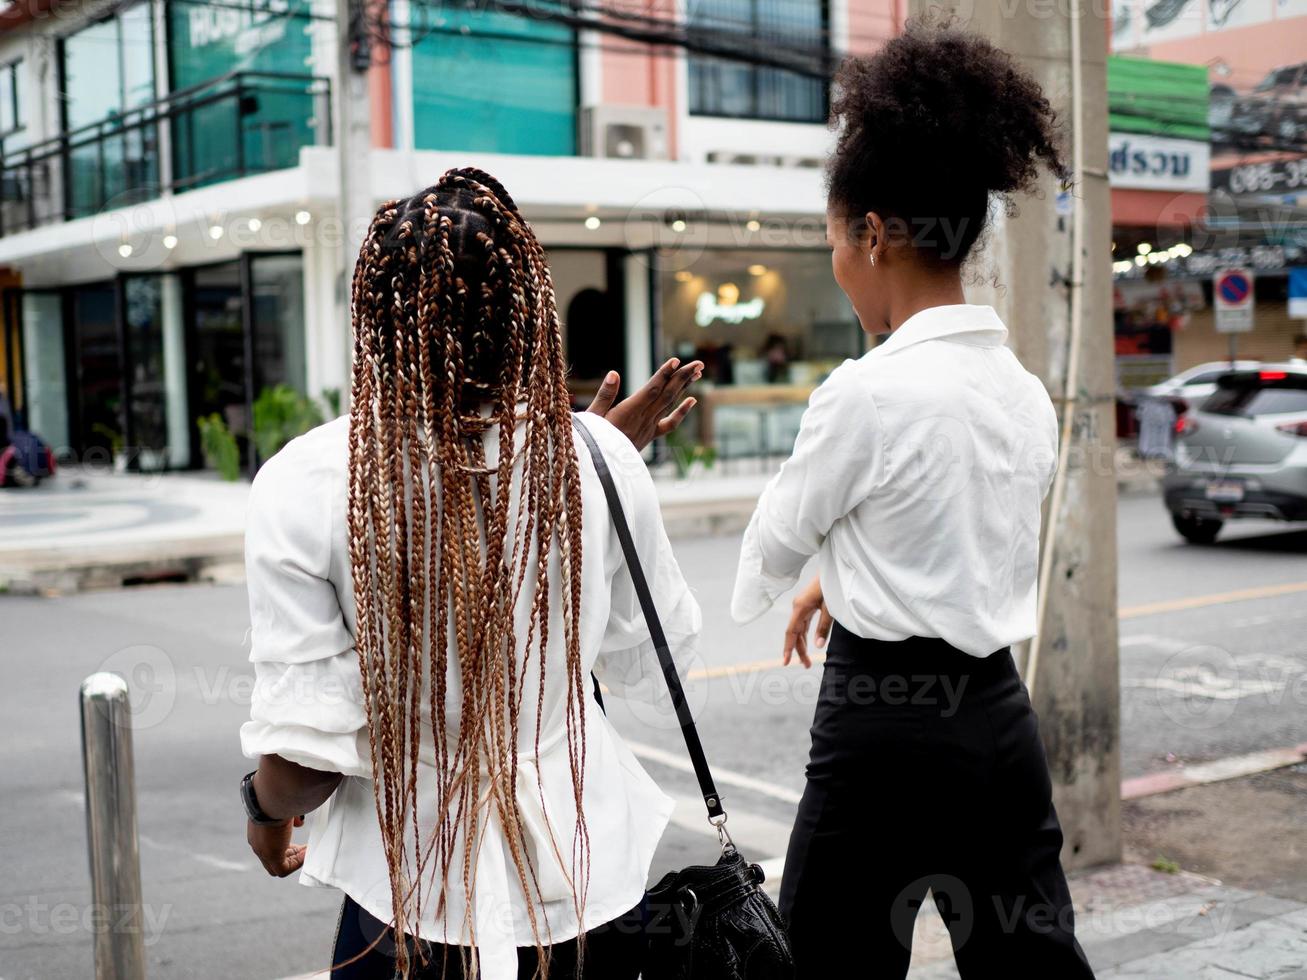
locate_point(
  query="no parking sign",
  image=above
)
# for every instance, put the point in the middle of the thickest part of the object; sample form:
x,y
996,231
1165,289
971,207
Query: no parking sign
x,y
1232,297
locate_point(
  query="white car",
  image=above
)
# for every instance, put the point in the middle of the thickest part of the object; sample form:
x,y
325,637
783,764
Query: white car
x,y
1198,382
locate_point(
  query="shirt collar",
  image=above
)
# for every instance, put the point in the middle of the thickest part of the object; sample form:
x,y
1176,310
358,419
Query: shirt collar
x,y
961,323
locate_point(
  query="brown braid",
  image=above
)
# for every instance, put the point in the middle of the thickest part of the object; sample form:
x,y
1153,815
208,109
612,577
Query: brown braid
x,y
456,334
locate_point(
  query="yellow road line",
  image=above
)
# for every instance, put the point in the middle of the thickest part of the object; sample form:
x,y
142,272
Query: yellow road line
x,y
1215,599
752,667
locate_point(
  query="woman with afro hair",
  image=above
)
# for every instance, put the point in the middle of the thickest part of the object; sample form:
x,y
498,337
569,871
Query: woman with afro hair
x,y
917,480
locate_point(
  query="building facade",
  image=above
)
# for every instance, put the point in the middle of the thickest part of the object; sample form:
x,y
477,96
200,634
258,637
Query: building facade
x,y
1245,205
175,230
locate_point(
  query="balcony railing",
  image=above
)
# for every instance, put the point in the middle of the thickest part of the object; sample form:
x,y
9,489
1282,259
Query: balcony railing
x,y
241,124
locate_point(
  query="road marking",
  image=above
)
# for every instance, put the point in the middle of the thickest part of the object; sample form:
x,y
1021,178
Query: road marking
x,y
728,777
222,864
1216,771
1214,599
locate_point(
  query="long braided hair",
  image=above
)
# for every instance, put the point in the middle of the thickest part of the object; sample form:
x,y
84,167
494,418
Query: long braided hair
x,y
456,341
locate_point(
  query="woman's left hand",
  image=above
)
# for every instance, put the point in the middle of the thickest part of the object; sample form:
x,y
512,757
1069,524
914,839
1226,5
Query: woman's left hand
x,y
807,603
648,413
271,845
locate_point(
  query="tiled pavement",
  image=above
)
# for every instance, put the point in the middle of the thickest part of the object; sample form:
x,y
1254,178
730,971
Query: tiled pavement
x,y
1139,924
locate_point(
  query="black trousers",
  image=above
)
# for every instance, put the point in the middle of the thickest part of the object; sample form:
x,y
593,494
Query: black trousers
x,y
926,773
365,951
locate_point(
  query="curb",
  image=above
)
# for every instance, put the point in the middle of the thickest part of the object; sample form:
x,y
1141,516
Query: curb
x,y
1217,771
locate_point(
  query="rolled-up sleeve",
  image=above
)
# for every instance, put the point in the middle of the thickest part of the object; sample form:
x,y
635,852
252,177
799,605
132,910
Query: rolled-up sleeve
x,y
307,704
837,463
627,664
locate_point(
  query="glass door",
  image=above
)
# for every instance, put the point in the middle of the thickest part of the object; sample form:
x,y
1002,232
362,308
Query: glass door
x,y
218,350
98,371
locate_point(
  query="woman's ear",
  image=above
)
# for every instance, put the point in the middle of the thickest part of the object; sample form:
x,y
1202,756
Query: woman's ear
x,y
874,236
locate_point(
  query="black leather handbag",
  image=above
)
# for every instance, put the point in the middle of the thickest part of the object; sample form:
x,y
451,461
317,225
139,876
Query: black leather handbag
x,y
705,922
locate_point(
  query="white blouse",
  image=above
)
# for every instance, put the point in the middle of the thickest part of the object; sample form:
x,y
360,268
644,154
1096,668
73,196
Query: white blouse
x,y
917,480
307,705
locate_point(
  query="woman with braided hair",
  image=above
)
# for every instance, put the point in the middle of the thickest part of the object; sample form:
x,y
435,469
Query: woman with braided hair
x,y
433,579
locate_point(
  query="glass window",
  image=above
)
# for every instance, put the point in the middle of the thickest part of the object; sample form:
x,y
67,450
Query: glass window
x,y
494,82
279,354
272,105
44,368
156,370
720,87
97,359
769,327
12,119
108,70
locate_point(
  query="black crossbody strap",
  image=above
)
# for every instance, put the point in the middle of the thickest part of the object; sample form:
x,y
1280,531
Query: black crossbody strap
x,y
711,799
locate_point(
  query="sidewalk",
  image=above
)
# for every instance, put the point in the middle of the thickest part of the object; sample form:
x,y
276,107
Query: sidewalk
x,y
93,529
1138,923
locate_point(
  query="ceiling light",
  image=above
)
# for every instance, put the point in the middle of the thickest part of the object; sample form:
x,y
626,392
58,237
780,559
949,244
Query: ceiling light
x,y
592,222
684,275
757,269
753,224
215,232
1145,248
255,224
169,241
678,225
302,217
125,250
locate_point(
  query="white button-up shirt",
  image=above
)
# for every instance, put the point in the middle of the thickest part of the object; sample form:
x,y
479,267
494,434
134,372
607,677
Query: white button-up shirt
x,y
917,480
307,705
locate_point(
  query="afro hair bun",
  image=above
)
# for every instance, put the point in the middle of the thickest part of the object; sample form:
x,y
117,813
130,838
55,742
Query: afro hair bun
x,y
933,124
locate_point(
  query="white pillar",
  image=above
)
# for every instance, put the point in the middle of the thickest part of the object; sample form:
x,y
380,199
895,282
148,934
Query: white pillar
x,y
176,409
639,323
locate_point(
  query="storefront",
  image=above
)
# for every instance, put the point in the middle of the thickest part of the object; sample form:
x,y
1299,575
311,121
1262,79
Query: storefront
x,y
119,371
769,326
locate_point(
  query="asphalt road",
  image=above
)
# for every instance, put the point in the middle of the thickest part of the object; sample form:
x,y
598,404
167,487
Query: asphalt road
x,y
1218,678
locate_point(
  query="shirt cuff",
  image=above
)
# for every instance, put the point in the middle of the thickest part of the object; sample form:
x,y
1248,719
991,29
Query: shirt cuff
x,y
756,590
308,747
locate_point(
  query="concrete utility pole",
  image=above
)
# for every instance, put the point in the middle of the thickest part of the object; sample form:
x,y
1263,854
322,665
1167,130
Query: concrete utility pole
x,y
1052,266
357,21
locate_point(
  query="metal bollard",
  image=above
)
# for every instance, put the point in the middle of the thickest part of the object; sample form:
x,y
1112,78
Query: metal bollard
x,y
111,828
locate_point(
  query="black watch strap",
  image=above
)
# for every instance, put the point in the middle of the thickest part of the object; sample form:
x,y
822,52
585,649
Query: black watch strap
x,y
252,808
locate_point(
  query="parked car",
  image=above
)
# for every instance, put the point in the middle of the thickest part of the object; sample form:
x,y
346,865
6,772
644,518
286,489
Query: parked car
x,y
1242,453
1195,384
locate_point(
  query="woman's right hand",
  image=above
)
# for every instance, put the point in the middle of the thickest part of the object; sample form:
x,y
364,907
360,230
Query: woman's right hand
x,y
807,603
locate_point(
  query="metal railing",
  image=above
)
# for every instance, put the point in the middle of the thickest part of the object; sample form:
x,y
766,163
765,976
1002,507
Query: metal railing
x,y
240,124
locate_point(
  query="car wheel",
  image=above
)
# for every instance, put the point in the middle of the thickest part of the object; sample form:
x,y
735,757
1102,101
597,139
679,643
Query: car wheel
x,y
1196,530
1288,129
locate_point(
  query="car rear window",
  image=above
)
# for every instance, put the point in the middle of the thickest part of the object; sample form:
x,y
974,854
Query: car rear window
x,y
1254,393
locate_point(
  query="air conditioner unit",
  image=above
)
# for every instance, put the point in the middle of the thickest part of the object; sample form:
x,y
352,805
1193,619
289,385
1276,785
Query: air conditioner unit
x,y
624,132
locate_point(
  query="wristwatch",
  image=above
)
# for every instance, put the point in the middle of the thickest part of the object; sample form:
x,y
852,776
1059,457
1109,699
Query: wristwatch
x,y
252,808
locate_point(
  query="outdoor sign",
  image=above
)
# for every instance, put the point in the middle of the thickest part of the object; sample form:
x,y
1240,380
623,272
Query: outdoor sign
x,y
1298,292
1158,163
1232,298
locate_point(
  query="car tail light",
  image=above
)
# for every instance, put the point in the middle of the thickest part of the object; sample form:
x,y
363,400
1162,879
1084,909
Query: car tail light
x,y
1294,428
1185,425
1272,375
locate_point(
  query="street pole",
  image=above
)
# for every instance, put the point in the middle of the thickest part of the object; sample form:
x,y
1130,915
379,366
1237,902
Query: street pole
x,y
358,25
1051,267
111,828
